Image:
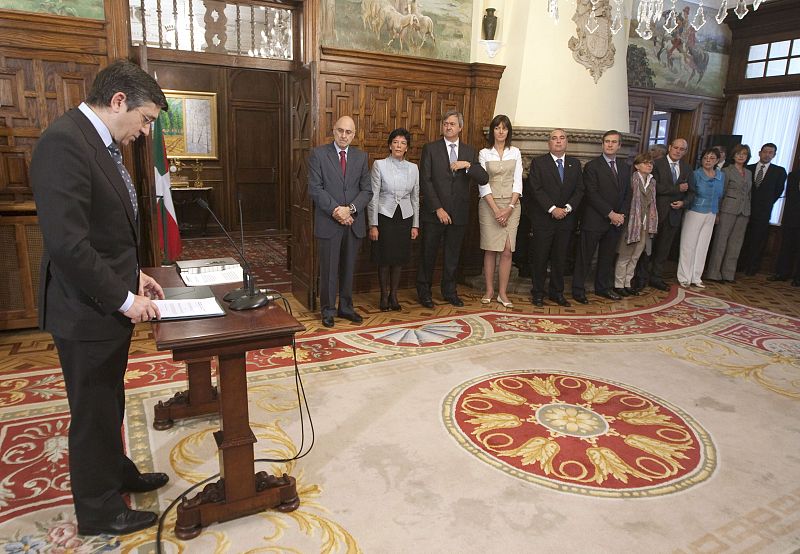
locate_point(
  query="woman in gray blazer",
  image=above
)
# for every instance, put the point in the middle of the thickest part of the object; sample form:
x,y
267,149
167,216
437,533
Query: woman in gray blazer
x,y
393,215
734,213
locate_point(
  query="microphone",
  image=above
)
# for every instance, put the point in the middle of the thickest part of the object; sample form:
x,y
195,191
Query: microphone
x,y
247,297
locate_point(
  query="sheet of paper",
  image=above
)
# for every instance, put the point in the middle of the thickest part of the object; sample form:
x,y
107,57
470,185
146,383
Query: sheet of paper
x,y
231,275
184,309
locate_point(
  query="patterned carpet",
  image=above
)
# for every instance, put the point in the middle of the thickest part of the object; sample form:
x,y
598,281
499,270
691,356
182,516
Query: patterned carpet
x,y
662,424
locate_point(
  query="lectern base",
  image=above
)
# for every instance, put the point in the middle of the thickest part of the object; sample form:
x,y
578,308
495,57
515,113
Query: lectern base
x,y
210,504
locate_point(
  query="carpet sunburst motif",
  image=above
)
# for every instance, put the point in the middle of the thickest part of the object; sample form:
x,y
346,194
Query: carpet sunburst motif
x,y
579,434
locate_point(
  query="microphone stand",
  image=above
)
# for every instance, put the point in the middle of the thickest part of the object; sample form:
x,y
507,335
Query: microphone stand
x,y
247,297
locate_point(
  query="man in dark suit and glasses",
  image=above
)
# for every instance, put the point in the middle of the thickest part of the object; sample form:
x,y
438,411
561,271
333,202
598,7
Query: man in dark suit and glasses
x,y
674,191
769,181
554,193
607,182
447,167
340,186
91,289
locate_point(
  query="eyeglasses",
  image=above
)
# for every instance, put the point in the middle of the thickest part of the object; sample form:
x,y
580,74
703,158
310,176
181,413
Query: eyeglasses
x,y
346,132
146,119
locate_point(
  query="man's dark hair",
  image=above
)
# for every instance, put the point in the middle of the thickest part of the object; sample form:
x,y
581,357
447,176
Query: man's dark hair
x,y
498,119
127,77
612,132
770,145
400,132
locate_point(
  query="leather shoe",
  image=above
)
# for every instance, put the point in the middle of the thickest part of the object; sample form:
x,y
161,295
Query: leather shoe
x,y
631,292
427,302
454,300
128,521
580,298
560,300
777,278
538,301
145,482
610,294
620,292
354,317
327,320
660,285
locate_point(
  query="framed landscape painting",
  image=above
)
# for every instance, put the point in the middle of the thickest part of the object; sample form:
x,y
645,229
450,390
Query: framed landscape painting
x,y
190,125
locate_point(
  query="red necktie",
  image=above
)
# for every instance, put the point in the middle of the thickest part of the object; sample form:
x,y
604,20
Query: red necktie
x,y
343,161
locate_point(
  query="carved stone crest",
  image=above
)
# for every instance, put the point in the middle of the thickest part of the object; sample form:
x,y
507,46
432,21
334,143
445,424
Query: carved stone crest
x,y
595,51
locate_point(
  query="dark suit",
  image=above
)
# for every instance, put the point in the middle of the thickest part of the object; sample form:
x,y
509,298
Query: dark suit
x,y
669,219
604,193
89,265
338,244
762,199
788,264
442,188
551,237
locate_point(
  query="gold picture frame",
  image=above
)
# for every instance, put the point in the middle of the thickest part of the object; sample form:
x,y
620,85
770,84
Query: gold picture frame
x,y
190,125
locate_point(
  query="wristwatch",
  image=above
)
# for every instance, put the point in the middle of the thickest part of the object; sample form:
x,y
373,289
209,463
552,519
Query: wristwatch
x,y
353,209
568,208
512,206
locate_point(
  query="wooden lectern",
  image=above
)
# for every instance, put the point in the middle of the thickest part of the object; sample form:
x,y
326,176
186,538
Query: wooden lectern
x,y
240,490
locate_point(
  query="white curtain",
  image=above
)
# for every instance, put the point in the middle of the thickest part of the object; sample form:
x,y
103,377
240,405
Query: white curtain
x,y
775,118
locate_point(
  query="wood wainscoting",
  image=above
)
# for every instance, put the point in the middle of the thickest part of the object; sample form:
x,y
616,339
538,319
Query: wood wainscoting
x,y
382,92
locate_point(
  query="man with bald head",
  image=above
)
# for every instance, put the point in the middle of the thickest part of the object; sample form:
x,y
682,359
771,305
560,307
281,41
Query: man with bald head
x,y
340,186
674,191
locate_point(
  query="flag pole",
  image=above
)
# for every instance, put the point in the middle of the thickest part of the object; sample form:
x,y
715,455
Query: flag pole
x,y
165,259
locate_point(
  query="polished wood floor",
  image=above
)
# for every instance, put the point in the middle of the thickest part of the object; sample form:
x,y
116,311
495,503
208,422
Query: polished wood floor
x,y
30,349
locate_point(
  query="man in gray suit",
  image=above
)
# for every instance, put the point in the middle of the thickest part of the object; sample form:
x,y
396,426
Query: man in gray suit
x,y
339,184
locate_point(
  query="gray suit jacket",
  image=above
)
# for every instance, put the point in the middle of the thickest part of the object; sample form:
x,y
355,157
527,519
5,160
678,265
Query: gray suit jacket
x,y
389,190
736,199
329,189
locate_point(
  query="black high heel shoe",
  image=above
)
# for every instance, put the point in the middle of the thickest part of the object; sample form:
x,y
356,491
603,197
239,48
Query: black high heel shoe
x,y
384,303
393,303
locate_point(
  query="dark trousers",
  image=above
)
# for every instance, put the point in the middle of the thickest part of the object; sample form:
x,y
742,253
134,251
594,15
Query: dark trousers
x,y
755,240
788,263
337,262
606,244
94,376
549,245
434,233
662,245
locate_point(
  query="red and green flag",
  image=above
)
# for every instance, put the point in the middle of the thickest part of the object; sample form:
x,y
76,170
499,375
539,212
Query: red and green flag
x,y
170,230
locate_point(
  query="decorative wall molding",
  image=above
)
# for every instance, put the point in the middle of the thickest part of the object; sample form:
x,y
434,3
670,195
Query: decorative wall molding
x,y
595,51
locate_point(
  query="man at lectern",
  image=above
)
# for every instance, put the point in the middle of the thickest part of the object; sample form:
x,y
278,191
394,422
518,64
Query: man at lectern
x,y
91,289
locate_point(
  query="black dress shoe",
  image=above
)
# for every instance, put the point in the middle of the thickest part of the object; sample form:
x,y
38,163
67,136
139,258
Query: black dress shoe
x,y
354,317
454,300
538,301
660,285
631,292
777,278
394,304
580,299
384,304
145,482
427,302
560,300
620,292
610,294
128,521
327,320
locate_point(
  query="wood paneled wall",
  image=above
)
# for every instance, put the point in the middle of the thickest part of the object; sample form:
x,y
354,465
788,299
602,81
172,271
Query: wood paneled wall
x,y
382,92
47,64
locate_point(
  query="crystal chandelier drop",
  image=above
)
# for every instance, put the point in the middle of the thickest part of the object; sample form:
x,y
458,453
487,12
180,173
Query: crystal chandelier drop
x,y
592,23
552,9
699,17
616,17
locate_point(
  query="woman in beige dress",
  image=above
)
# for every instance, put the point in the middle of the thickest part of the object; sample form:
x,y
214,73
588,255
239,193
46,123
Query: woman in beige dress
x,y
499,209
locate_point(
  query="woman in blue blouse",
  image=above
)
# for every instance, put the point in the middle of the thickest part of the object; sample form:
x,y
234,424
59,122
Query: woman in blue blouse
x,y
698,224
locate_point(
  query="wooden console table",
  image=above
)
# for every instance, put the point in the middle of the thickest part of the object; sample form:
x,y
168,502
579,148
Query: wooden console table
x,y
240,490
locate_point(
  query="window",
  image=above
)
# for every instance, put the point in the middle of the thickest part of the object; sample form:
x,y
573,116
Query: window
x,y
659,128
773,59
237,29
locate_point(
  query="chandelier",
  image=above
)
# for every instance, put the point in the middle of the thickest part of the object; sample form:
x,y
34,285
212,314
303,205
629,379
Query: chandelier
x,y
650,12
